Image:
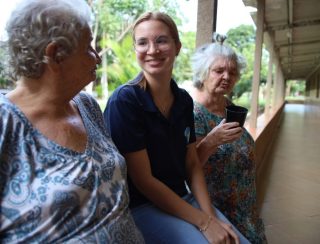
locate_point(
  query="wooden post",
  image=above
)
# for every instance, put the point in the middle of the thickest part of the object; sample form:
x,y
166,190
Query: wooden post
x,y
257,64
206,21
269,83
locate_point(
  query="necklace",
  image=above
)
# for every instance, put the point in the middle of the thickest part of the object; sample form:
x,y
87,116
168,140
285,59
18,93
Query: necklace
x,y
164,107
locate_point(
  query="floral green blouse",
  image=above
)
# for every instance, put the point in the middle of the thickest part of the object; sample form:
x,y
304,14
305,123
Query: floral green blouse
x,y
230,176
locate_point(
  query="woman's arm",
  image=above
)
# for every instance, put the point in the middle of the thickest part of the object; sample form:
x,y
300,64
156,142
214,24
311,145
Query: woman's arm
x,y
216,231
139,170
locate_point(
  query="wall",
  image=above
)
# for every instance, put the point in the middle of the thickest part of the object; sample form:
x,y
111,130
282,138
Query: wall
x,y
263,147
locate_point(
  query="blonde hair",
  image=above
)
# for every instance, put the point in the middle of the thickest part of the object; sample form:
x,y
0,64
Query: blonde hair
x,y
160,16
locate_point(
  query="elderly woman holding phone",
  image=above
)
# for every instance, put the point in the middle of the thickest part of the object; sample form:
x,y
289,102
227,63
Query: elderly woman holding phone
x,y
226,150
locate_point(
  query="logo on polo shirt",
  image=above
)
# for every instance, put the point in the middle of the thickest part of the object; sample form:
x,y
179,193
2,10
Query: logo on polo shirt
x,y
187,134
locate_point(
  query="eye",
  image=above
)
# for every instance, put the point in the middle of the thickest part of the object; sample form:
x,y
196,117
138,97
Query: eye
x,y
218,71
141,42
162,40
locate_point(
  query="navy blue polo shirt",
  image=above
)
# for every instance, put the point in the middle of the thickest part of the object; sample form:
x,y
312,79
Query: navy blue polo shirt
x,y
135,123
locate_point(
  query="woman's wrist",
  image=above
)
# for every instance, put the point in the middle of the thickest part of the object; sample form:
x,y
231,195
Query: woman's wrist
x,y
206,225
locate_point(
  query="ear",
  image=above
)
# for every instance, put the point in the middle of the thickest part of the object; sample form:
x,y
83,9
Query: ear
x,y
178,47
51,52
51,57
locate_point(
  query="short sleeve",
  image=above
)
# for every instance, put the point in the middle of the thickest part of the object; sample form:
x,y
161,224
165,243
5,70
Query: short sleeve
x,y
91,109
199,122
192,123
124,121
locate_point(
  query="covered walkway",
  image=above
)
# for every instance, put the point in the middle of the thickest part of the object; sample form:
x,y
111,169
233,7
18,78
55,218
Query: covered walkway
x,y
289,191
287,137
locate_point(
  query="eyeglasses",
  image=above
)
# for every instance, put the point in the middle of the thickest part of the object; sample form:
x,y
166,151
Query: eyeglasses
x,y
161,43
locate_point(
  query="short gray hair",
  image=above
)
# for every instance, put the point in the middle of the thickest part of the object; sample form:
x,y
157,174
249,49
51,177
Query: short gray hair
x,y
206,55
36,23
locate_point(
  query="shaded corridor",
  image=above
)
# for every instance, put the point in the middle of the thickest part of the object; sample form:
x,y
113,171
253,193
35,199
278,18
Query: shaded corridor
x,y
291,182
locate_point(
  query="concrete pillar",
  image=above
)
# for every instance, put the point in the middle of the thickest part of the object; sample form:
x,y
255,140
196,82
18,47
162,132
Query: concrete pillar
x,y
276,88
269,82
206,21
257,64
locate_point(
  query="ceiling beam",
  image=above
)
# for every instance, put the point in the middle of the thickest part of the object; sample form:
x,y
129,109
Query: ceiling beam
x,y
293,25
298,43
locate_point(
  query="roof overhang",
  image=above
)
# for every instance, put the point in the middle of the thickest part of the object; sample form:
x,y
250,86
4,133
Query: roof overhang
x,y
294,30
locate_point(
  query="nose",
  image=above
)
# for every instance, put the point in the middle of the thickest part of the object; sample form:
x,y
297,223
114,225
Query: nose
x,y
226,75
152,48
98,59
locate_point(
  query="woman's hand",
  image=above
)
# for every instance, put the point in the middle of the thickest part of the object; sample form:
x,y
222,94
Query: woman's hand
x,y
219,232
224,133
221,134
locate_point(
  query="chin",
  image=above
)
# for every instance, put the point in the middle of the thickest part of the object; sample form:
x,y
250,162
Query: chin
x,y
158,71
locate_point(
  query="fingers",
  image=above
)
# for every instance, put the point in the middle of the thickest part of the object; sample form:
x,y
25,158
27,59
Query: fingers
x,y
222,122
217,233
232,125
232,134
228,241
231,232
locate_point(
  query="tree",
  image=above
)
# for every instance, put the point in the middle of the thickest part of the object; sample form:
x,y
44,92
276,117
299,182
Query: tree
x,y
182,70
5,82
122,65
242,40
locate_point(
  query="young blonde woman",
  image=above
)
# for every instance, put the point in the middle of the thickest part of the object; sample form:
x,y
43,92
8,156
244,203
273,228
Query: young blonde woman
x,y
151,121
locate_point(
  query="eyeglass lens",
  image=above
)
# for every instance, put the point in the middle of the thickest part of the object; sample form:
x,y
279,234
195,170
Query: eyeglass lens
x,y
162,43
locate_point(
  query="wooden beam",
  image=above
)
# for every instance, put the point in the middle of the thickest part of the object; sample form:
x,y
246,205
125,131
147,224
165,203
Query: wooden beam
x,y
257,64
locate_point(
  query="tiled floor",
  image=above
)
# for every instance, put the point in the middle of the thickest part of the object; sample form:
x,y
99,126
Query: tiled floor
x,y
291,202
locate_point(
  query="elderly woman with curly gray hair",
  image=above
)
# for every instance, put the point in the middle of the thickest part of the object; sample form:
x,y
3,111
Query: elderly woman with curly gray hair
x,y
62,180
226,150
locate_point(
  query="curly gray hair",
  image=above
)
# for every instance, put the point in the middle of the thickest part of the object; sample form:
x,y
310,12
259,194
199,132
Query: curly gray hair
x,y
36,23
206,55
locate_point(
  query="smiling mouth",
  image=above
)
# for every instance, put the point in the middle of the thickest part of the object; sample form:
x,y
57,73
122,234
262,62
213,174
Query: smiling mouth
x,y
154,62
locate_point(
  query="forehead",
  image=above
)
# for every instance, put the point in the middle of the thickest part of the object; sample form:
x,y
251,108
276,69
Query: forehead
x,y
151,29
86,34
224,62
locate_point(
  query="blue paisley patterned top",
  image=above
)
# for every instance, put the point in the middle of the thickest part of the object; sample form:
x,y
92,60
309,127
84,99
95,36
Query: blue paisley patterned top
x,y
230,176
51,194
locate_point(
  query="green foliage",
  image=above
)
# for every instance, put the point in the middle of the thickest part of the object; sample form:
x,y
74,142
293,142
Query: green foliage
x,y
182,70
114,16
242,40
296,88
122,65
5,83
241,37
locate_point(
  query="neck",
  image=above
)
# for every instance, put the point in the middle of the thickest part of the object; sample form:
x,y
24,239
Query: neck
x,y
31,97
214,103
161,93
159,86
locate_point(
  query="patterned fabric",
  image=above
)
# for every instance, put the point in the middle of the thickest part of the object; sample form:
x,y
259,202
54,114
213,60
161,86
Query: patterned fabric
x,y
51,194
230,176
